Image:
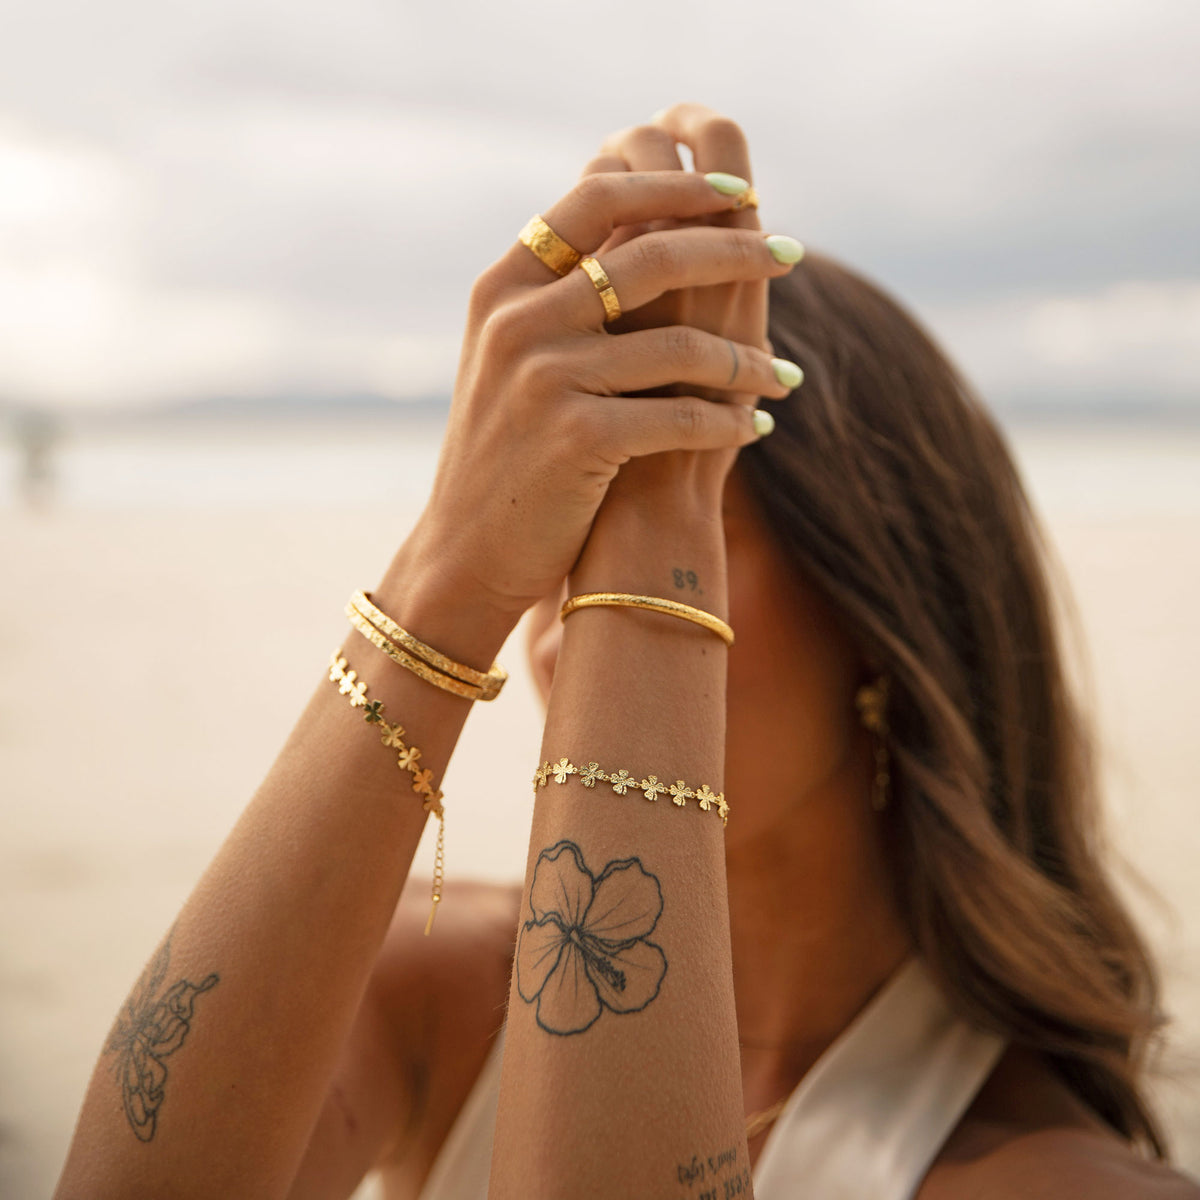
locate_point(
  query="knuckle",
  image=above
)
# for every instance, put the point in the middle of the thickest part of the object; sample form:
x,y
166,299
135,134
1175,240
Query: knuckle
x,y
690,418
594,192
575,425
652,136
505,330
655,255
681,345
746,252
485,291
724,130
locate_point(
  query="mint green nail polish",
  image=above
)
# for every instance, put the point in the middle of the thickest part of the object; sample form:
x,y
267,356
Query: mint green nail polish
x,y
788,373
785,249
763,422
727,185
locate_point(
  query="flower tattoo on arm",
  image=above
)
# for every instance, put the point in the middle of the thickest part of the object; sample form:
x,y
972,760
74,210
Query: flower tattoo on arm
x,y
151,1026
585,948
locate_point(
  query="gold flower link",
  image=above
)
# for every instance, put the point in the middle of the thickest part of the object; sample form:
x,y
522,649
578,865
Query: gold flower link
x,y
651,788
622,781
423,782
408,758
706,796
337,669
346,686
373,713
589,774
540,776
393,736
358,694
680,793
722,807
562,769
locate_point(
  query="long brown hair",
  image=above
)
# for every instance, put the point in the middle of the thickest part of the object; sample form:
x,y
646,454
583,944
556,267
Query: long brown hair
x,y
896,494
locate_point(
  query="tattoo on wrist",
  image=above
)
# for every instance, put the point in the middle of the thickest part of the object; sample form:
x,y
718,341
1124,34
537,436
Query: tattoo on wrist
x,y
152,1026
584,947
717,1176
687,580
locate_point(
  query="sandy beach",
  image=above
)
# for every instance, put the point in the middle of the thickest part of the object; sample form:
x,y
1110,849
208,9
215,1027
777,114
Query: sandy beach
x,y
144,693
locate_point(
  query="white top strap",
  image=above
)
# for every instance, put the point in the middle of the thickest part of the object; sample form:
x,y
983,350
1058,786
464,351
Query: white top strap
x,y
870,1116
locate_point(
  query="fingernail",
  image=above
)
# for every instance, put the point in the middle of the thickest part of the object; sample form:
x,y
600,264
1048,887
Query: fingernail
x,y
658,116
763,422
788,373
785,249
727,185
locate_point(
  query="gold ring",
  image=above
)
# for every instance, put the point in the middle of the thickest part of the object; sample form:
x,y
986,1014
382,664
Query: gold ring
x,y
608,295
747,199
559,255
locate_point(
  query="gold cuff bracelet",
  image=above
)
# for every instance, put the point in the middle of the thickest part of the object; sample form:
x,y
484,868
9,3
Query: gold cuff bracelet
x,y
673,608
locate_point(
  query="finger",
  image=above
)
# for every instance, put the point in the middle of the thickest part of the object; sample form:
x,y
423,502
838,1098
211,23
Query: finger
x,y
645,268
645,148
603,163
627,427
601,202
717,143
681,354
599,165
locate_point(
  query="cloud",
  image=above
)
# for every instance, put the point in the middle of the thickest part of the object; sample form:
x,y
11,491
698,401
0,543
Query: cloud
x,y
1134,340
241,197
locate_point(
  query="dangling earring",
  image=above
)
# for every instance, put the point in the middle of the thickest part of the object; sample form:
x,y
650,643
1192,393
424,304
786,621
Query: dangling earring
x,y
871,701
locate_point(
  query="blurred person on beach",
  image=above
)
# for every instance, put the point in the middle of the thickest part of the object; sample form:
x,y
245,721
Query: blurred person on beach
x,y
890,964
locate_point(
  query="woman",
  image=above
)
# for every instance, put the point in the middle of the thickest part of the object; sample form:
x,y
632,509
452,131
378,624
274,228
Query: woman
x,y
904,916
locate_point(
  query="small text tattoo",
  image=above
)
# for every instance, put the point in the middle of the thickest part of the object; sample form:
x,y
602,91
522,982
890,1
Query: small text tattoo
x,y
717,1176
584,946
152,1025
687,580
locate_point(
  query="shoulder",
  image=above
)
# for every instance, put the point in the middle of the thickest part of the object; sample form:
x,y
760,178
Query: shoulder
x,y
1027,1136
1074,1164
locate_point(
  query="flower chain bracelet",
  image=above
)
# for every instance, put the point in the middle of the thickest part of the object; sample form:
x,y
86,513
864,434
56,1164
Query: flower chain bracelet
x,y
622,781
408,758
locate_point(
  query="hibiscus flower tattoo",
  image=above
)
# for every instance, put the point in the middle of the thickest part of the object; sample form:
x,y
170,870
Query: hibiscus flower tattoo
x,y
585,948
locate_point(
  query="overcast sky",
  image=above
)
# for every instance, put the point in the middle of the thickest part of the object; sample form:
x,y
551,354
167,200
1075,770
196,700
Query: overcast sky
x,y
244,197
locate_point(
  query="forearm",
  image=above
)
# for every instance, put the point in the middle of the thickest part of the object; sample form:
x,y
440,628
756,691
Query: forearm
x,y
274,947
618,1107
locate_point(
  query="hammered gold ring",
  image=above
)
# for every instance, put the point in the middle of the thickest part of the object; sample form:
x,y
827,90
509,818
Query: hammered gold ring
x,y
556,252
608,295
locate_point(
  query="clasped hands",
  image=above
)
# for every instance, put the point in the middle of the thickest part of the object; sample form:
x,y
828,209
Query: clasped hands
x,y
559,421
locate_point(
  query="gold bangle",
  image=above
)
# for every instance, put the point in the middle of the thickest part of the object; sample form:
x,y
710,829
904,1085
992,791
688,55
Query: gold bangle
x,y
673,608
408,758
489,681
604,288
622,781
415,665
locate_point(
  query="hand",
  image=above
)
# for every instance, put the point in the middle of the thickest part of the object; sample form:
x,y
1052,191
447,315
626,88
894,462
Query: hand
x,y
736,310
548,405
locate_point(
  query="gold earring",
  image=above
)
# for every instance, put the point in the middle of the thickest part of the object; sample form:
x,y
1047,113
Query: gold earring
x,y
871,700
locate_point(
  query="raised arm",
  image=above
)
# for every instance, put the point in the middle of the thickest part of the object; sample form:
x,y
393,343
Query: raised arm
x,y
621,1071
218,1064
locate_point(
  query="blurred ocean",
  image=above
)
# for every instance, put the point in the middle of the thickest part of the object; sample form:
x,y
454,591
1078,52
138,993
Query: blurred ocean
x,y
1101,469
